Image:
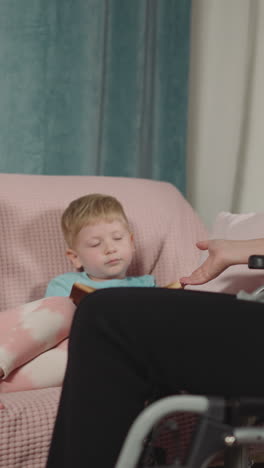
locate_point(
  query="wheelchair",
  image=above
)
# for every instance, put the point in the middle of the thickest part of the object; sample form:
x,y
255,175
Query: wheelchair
x,y
223,426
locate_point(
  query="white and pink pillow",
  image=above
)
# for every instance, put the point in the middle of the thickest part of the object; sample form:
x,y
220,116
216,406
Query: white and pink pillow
x,y
238,277
33,343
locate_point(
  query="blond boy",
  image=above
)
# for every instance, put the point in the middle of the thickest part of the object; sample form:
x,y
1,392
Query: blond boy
x,y
100,246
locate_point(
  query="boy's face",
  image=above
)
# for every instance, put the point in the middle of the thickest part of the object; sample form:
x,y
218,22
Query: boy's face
x,y
104,250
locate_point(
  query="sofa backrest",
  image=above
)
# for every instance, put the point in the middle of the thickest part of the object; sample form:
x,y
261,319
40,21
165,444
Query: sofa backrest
x,y
32,247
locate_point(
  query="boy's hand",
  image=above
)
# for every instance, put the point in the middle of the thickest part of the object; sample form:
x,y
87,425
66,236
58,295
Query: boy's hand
x,y
176,285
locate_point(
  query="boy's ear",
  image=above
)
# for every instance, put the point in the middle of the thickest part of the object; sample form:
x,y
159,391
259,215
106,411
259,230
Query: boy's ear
x,y
74,258
132,240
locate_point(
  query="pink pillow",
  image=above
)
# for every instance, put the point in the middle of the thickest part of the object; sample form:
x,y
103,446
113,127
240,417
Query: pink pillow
x,y
29,330
45,370
235,226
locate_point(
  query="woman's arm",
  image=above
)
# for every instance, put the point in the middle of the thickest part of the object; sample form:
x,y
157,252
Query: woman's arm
x,y
222,254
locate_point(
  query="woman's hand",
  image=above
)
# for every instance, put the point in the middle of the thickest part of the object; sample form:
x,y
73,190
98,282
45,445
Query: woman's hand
x,y
212,266
222,254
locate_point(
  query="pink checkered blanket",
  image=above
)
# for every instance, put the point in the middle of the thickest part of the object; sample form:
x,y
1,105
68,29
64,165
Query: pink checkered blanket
x,y
26,421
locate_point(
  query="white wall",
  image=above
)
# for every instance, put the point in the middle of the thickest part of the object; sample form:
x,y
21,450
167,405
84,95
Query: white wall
x,y
226,111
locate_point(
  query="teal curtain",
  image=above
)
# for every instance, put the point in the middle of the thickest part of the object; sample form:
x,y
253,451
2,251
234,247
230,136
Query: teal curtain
x,y
94,87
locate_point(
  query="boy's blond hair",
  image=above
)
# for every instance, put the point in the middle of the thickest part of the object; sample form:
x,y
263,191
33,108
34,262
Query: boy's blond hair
x,y
90,209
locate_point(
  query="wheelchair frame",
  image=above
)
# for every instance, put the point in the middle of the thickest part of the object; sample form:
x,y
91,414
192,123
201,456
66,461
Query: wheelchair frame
x,y
214,433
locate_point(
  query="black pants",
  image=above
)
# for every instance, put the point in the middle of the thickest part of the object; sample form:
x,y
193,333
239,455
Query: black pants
x,y
126,343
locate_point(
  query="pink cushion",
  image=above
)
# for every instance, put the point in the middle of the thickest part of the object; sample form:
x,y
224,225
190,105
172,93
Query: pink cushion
x,y
32,248
44,371
27,334
235,226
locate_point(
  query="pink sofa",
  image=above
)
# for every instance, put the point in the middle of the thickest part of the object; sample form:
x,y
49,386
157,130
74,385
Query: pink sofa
x,y
32,252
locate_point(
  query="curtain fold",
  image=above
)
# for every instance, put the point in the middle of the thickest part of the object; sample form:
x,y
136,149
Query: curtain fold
x,y
94,87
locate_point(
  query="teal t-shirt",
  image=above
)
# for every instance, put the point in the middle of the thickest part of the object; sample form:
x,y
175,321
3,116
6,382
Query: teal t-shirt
x,y
62,284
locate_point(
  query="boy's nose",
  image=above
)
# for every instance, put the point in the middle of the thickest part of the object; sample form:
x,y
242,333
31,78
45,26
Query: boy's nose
x,y
110,247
